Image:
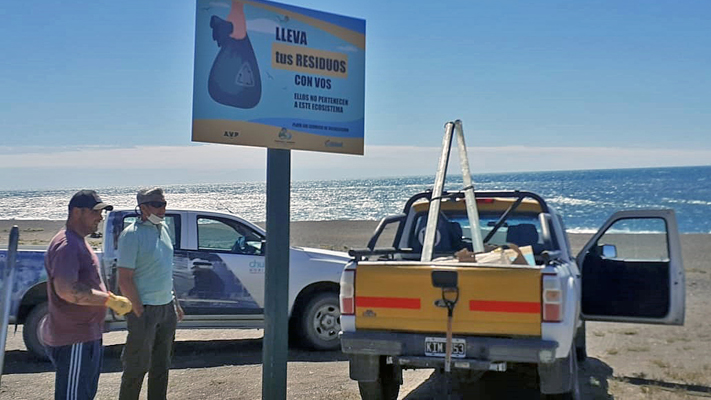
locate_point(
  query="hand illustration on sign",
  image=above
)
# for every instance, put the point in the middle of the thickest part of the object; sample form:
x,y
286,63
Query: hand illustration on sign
x,y
234,78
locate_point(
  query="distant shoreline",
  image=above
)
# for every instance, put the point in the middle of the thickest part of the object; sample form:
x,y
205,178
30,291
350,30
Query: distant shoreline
x,y
587,198
332,235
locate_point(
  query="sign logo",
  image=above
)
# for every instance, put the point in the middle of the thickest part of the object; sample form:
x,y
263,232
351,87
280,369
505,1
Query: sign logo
x,y
245,76
284,134
256,267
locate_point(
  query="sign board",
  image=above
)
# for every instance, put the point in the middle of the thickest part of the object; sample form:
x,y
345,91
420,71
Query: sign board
x,y
278,76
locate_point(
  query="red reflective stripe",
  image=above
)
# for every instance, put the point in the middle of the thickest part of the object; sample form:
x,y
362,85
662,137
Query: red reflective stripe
x,y
505,306
388,302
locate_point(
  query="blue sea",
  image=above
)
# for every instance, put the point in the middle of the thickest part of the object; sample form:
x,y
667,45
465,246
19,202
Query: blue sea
x,y
585,198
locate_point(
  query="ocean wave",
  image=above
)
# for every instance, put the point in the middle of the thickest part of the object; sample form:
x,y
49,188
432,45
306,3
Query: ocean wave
x,y
685,201
572,201
612,231
582,230
636,232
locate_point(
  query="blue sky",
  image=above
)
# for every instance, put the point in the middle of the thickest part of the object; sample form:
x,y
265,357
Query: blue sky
x,y
100,93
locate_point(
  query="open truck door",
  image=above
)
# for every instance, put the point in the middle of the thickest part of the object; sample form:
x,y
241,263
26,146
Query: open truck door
x,y
115,225
632,270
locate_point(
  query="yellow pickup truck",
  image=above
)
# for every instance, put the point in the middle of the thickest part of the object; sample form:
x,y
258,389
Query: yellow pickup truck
x,y
455,314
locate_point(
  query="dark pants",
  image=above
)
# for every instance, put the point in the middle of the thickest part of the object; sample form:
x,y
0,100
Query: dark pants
x,y
148,349
78,367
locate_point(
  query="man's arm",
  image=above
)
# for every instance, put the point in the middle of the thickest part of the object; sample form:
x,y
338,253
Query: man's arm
x,y
64,261
128,289
79,293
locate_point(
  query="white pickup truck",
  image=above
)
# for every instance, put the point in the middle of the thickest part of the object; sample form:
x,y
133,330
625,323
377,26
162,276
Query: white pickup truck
x,y
394,306
218,275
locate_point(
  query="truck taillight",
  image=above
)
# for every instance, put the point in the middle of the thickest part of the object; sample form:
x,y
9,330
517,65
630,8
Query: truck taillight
x,y
347,295
552,298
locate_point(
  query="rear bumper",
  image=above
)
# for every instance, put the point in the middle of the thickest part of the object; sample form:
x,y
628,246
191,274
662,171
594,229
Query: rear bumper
x,y
408,349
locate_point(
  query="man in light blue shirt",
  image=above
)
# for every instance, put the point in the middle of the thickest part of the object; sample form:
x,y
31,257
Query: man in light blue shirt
x,y
145,267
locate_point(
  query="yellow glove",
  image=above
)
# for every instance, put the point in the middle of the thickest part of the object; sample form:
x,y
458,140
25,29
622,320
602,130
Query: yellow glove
x,y
120,304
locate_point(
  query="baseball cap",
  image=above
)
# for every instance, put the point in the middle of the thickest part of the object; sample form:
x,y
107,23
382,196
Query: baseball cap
x,y
88,199
148,195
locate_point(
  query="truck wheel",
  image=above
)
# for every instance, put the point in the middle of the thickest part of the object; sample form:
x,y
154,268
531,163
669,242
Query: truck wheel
x,y
386,387
31,331
571,372
580,344
321,322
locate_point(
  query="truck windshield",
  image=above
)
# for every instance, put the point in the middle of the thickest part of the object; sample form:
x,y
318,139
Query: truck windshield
x,y
522,229
518,229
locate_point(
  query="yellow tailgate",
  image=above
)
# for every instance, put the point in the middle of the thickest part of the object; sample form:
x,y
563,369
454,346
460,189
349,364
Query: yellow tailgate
x,y
492,300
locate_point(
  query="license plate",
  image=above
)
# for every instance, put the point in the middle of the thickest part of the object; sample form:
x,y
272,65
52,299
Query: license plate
x,y
435,347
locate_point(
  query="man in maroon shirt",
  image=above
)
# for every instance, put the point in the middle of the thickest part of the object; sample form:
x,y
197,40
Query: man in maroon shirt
x,y
77,301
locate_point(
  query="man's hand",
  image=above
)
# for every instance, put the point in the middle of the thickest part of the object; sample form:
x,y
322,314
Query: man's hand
x,y
128,288
120,304
179,312
138,309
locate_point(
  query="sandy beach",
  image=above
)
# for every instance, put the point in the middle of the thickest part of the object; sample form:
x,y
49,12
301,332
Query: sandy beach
x,y
626,361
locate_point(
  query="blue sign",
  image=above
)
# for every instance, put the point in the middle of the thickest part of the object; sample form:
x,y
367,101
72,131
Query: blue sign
x,y
278,76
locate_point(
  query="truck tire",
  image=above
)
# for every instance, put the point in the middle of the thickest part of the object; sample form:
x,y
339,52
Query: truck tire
x,y
321,322
387,387
31,331
581,351
569,372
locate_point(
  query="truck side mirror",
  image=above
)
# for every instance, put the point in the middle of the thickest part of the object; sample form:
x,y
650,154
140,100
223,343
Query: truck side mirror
x,y
608,251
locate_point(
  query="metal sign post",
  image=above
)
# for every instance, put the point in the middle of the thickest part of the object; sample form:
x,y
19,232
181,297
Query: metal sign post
x,y
298,84
7,291
275,347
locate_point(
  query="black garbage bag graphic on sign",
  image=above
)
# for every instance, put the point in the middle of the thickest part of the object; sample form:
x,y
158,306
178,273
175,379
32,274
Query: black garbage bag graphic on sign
x,y
234,78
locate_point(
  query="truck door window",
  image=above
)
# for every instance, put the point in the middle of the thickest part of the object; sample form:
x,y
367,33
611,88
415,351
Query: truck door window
x,y
172,221
220,234
638,239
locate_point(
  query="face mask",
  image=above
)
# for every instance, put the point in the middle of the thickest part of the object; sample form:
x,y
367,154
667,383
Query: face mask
x,y
154,219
